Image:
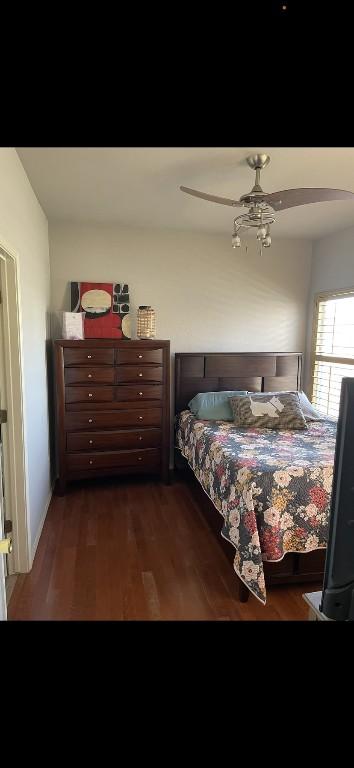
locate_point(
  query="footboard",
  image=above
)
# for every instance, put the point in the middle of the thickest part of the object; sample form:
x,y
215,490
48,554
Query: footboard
x,y
294,568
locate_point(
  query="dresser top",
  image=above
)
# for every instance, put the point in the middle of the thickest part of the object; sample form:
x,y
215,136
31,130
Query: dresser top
x,y
97,343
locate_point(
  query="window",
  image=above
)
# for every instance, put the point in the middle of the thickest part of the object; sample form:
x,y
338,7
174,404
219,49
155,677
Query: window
x,y
333,348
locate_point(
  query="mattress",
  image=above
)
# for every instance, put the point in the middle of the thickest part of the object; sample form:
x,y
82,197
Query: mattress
x,y
272,487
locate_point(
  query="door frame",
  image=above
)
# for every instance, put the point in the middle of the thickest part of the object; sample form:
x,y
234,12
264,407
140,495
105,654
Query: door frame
x,y
13,430
3,596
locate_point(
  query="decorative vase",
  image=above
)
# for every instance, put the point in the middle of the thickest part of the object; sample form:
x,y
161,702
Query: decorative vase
x,y
146,323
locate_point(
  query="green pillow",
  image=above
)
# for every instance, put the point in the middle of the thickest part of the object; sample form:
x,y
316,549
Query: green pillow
x,y
214,405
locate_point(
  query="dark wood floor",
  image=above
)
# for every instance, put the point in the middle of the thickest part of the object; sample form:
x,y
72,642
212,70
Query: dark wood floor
x,y
132,550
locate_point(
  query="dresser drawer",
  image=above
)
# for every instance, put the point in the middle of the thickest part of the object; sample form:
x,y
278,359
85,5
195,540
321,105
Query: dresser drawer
x,y
89,394
139,356
88,356
89,374
149,417
140,392
148,458
127,373
125,439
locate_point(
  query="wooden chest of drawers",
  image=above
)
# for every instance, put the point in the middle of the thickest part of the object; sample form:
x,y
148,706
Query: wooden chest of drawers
x,y
113,410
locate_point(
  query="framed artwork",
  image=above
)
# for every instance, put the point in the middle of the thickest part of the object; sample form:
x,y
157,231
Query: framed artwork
x,y
106,307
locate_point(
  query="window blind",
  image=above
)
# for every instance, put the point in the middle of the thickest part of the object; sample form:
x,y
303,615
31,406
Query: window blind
x,y
334,350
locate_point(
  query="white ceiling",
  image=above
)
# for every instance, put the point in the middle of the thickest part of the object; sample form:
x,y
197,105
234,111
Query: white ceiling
x,y
138,186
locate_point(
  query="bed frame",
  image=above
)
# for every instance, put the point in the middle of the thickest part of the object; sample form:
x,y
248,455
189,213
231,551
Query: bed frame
x,y
256,372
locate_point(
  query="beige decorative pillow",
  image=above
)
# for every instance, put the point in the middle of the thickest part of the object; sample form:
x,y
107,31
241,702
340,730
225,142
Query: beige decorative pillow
x,y
268,411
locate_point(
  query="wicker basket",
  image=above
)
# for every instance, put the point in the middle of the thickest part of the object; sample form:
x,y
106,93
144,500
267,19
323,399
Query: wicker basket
x,y
146,323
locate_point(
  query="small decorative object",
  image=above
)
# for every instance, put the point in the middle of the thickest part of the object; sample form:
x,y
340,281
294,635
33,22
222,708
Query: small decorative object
x,y
146,325
73,325
106,308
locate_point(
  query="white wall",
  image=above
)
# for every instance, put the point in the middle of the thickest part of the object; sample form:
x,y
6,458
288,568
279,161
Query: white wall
x,y
24,229
207,295
332,268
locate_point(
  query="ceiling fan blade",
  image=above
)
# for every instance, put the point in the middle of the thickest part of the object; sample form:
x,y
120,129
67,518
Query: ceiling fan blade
x,y
212,198
289,198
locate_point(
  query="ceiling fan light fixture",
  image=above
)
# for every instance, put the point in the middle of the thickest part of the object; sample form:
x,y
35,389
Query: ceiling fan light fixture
x,y
262,205
262,232
236,240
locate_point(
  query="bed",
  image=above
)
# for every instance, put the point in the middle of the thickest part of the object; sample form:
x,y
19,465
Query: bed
x,y
271,488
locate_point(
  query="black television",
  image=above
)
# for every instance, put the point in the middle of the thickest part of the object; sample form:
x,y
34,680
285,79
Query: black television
x,y
337,601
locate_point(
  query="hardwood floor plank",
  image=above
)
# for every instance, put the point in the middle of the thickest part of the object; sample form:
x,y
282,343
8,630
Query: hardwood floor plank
x,y
127,549
152,598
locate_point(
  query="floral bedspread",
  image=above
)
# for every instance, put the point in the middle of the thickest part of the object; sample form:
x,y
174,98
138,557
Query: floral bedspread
x,y
272,487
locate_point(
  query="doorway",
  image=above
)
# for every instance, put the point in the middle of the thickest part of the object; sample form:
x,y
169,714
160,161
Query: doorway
x,y
13,507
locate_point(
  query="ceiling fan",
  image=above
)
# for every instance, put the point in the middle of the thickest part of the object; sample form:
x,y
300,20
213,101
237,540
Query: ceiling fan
x,y
262,205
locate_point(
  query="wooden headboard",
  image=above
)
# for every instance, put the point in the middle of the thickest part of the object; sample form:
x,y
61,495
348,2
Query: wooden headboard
x,y
215,371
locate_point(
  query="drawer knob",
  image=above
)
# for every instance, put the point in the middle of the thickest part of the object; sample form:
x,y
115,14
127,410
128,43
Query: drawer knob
x,y
91,461
90,421
89,376
140,438
141,418
140,374
89,357
90,441
140,458
140,393
140,357
90,394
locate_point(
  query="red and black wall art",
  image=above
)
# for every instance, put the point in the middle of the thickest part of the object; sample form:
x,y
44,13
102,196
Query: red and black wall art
x,y
106,307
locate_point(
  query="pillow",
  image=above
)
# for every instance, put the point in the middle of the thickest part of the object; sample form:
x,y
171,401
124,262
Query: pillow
x,y
214,405
269,411
308,410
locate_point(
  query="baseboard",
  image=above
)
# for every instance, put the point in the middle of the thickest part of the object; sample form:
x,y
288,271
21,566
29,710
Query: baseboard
x,y
10,582
40,528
